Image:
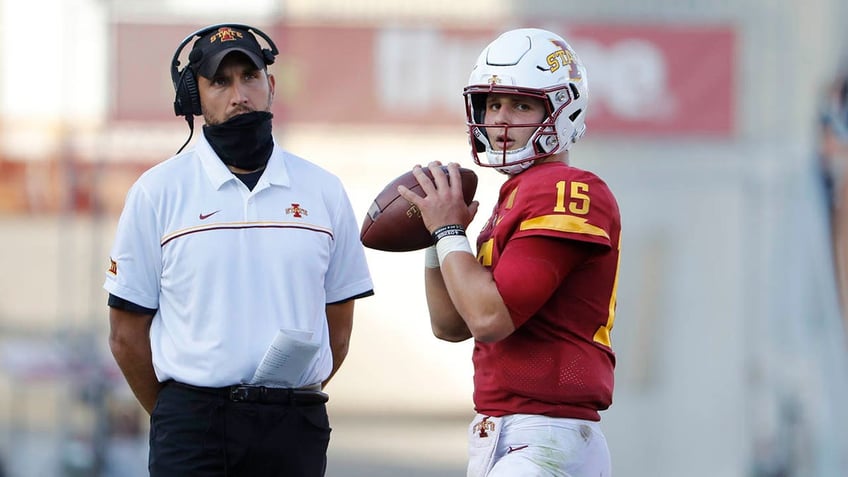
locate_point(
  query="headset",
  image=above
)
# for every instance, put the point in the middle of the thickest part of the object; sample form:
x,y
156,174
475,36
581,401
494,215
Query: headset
x,y
187,97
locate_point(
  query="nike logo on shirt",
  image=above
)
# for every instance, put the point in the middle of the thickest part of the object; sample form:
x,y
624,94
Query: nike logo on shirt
x,y
203,216
513,449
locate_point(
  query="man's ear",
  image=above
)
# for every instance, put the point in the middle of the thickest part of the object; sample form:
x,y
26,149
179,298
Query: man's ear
x,y
272,83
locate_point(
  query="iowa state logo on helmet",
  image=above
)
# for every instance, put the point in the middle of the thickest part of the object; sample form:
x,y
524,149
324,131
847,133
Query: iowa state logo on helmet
x,y
563,57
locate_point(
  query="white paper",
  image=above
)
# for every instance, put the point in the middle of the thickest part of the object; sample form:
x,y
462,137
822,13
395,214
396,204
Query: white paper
x,y
286,359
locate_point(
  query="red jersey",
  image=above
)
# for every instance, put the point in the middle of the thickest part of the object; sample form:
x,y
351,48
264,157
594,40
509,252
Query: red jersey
x,y
558,361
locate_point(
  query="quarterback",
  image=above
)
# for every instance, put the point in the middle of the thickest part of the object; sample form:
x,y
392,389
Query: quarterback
x,y
539,295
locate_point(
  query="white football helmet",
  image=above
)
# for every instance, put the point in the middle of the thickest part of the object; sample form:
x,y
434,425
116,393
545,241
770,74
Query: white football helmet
x,y
531,62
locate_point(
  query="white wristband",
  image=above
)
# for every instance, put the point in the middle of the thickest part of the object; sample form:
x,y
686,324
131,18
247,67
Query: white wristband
x,y
453,243
431,258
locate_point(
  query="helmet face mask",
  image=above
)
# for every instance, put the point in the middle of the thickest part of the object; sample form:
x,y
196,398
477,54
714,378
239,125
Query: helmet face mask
x,y
534,63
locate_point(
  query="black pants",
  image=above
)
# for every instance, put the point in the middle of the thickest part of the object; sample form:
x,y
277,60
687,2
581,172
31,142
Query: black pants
x,y
196,434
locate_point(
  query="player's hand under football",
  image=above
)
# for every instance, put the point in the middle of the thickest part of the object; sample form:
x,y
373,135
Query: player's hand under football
x,y
443,203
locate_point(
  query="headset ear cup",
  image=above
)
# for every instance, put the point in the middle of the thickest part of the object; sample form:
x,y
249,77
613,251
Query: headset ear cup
x,y
193,93
188,97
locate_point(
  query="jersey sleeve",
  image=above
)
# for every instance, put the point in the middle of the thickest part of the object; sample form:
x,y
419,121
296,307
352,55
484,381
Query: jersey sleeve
x,y
348,275
531,269
136,256
577,206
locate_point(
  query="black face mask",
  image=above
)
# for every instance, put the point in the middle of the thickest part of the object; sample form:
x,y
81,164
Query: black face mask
x,y
243,141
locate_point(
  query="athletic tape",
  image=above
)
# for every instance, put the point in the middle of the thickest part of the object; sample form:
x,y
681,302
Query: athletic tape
x,y
452,243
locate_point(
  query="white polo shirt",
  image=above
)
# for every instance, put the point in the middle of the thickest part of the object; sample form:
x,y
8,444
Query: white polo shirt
x,y
227,267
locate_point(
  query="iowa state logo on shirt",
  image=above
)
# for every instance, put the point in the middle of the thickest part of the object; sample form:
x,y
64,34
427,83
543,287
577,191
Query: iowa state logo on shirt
x,y
297,211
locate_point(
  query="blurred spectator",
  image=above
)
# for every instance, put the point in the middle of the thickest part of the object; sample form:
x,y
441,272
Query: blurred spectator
x,y
833,161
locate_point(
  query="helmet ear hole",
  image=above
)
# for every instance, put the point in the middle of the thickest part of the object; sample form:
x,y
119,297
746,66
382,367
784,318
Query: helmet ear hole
x,y
575,114
575,93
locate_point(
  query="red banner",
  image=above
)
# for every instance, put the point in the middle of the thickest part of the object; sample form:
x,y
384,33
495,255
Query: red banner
x,y
659,79
644,80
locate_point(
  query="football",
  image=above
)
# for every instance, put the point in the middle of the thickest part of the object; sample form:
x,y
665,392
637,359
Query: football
x,y
393,224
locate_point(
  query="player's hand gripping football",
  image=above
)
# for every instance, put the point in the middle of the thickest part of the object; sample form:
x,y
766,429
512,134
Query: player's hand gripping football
x,y
443,203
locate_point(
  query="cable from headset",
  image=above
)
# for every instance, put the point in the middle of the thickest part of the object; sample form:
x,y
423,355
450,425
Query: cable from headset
x,y
190,120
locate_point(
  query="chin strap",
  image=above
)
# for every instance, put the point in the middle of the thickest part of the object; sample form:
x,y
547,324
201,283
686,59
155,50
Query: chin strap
x,y
190,120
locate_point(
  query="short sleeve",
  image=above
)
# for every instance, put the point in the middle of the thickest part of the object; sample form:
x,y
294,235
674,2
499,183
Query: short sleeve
x,y
136,255
347,274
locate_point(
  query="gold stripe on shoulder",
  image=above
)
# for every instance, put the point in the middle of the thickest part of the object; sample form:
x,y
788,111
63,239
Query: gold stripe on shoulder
x,y
563,223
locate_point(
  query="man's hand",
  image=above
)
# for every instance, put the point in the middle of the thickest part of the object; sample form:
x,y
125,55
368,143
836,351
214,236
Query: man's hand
x,y
443,202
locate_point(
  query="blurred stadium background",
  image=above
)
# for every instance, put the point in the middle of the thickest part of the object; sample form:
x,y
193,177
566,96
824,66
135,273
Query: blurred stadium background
x,y
703,119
